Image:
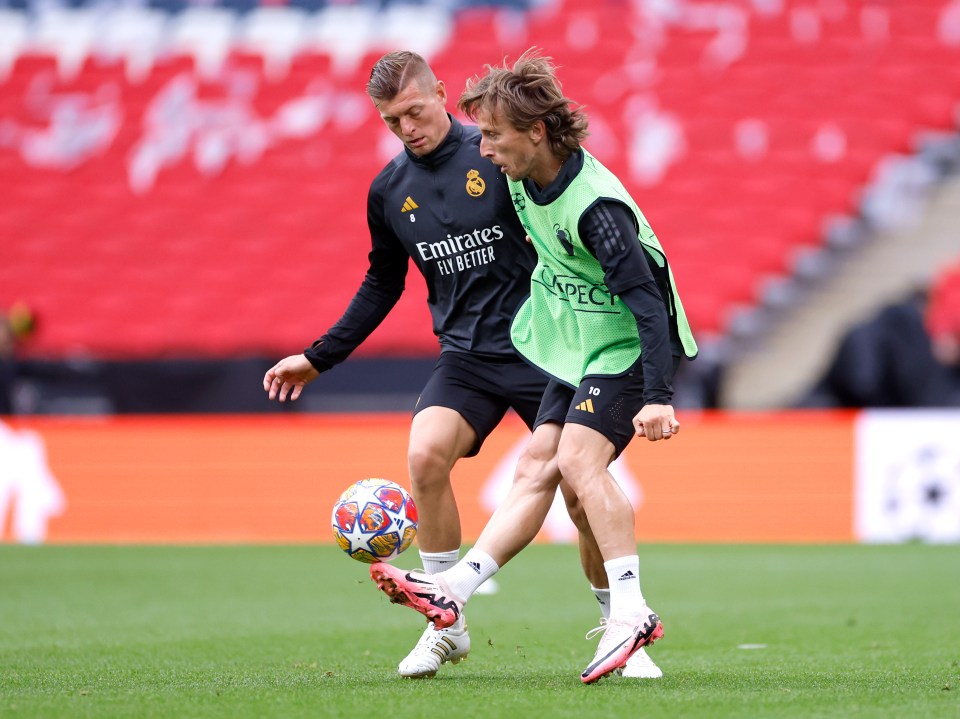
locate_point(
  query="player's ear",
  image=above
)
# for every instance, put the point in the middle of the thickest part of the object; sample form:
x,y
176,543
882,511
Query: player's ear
x,y
538,132
441,92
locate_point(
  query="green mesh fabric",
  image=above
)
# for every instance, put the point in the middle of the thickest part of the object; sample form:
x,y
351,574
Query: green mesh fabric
x,y
570,326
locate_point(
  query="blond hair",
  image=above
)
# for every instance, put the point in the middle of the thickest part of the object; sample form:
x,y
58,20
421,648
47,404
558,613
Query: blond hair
x,y
394,71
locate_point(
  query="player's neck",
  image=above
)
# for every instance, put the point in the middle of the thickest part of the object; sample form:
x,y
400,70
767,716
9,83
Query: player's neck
x,y
545,170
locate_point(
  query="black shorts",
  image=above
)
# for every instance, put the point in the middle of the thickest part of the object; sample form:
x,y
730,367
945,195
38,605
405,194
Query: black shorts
x,y
605,403
482,389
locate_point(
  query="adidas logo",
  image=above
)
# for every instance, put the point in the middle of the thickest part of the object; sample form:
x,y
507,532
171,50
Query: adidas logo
x,y
627,575
410,205
475,566
585,406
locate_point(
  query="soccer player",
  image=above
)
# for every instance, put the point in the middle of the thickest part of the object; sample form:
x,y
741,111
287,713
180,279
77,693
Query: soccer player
x,y
442,205
603,321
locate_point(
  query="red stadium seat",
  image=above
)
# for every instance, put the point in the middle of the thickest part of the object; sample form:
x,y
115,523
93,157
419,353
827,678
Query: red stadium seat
x,y
251,196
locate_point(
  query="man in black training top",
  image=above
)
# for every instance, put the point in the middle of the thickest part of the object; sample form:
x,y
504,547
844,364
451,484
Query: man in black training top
x,y
441,204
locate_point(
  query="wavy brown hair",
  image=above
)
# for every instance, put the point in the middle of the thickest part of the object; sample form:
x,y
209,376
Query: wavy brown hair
x,y
394,71
526,94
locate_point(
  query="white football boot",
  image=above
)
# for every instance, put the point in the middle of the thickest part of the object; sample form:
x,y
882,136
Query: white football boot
x,y
641,666
435,648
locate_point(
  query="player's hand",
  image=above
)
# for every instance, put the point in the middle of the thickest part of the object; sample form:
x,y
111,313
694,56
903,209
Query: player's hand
x,y
288,377
656,421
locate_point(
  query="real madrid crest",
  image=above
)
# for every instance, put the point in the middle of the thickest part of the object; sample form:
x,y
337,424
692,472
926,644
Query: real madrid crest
x,y
475,184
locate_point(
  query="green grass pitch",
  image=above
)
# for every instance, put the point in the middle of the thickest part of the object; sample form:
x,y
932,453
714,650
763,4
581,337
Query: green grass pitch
x,y
838,631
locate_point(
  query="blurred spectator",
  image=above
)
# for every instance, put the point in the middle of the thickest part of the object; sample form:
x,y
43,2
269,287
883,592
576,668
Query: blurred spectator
x,y
943,317
14,325
7,365
907,355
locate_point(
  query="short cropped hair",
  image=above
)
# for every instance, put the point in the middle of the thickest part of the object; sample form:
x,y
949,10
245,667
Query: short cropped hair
x,y
526,94
394,71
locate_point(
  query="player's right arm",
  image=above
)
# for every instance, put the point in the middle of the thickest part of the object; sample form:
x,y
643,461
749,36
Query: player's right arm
x,y
288,377
380,290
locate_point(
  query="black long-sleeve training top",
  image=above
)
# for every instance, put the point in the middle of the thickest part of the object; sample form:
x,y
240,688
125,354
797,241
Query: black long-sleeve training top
x,y
450,212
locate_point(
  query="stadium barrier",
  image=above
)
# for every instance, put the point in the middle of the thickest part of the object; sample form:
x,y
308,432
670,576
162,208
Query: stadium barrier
x,y
795,477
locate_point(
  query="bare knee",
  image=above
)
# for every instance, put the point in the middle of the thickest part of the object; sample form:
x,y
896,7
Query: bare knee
x,y
429,467
537,466
439,436
574,467
582,456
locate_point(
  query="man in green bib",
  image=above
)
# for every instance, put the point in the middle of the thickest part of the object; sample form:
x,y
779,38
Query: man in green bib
x,y
603,321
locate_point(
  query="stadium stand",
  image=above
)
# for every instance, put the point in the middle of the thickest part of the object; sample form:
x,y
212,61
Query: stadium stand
x,y
174,172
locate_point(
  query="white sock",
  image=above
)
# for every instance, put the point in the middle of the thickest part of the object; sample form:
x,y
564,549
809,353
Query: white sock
x,y
474,569
603,599
626,599
436,562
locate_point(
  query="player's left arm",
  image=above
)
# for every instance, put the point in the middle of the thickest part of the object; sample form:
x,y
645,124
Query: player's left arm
x,y
608,230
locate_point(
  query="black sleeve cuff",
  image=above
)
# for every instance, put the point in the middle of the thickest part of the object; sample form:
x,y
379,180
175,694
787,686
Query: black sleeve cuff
x,y
313,357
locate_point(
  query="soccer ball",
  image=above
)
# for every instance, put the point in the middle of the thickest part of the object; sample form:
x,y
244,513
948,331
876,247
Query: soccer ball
x,y
374,520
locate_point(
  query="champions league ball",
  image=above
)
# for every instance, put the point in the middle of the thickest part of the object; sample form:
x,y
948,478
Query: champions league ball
x,y
374,520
